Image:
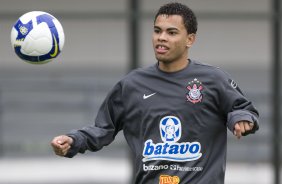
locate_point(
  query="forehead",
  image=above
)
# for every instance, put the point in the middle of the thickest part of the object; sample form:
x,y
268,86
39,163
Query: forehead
x,y
169,21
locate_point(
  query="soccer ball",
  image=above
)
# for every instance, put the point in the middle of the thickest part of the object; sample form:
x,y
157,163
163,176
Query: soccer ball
x,y
37,37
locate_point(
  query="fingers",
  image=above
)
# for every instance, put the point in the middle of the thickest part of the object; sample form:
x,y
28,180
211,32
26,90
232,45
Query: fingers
x,y
237,130
61,144
251,125
242,127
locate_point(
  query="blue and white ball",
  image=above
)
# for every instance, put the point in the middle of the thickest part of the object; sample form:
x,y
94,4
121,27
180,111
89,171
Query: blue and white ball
x,y
37,37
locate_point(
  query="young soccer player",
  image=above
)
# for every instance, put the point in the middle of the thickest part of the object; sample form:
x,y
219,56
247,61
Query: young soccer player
x,y
174,114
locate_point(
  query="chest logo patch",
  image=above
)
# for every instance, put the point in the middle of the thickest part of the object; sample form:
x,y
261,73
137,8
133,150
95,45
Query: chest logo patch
x,y
170,129
194,93
170,149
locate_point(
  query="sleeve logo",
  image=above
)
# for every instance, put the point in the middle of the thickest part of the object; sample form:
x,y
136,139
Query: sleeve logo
x,y
170,149
233,83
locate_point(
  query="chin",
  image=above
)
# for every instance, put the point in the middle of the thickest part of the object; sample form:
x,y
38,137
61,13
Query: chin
x,y
164,61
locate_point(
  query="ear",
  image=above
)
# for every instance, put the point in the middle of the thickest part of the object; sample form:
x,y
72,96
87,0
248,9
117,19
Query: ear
x,y
190,40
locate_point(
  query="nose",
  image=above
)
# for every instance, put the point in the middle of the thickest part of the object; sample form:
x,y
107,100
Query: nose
x,y
162,36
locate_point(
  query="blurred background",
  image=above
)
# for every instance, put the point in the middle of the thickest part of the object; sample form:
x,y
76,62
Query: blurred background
x,y
104,40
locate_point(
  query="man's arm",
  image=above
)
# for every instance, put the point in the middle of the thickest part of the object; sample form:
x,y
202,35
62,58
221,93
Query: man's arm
x,y
94,137
242,116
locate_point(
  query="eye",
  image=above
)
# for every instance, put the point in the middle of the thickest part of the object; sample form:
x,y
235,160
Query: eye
x,y
157,31
172,33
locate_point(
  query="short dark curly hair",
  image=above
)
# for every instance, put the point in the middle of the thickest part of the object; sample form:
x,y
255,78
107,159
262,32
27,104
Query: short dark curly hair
x,y
175,8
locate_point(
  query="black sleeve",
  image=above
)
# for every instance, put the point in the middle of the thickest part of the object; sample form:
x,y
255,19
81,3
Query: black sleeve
x,y
107,124
235,105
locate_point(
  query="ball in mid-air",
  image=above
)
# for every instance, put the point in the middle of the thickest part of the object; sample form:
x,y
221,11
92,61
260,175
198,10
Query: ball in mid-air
x,y
37,37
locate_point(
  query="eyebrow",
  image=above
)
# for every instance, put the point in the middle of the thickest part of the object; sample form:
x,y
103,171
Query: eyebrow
x,y
168,29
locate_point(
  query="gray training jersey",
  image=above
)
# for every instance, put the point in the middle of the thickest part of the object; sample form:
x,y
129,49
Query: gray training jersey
x,y
175,123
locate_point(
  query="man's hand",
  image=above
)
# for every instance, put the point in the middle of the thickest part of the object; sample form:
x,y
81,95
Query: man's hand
x,y
241,127
61,144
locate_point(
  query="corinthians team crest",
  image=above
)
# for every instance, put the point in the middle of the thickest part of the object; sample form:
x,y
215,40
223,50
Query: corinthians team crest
x,y
194,94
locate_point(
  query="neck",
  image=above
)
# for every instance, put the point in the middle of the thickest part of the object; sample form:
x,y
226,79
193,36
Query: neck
x,y
172,66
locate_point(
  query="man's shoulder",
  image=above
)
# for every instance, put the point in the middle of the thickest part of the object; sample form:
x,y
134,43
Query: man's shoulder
x,y
205,65
138,75
140,72
210,69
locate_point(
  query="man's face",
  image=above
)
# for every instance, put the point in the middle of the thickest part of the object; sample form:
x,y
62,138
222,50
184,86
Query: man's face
x,y
170,39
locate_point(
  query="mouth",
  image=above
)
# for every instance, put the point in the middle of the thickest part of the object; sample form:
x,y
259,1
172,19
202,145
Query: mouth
x,y
161,49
